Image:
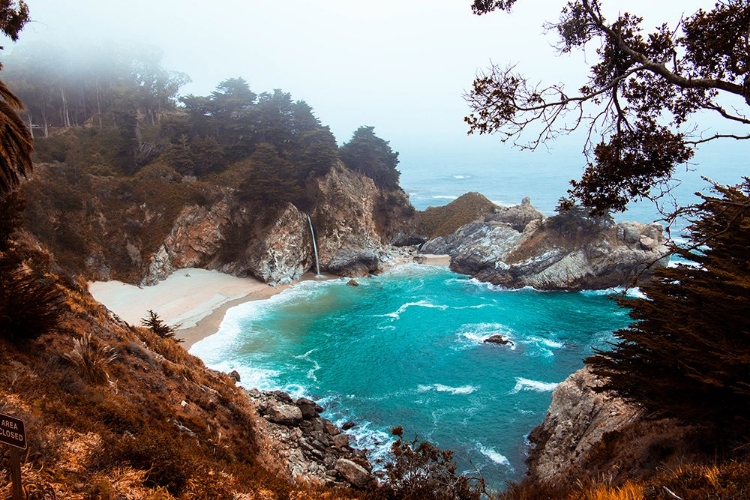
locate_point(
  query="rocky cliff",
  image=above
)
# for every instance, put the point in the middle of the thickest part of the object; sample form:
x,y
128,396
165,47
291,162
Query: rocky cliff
x,y
352,221
140,230
588,435
517,247
576,422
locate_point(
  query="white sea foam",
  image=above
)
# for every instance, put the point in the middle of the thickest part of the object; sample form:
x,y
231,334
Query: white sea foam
x,y
476,306
376,442
296,391
554,344
463,390
685,263
315,367
444,197
421,303
525,384
262,378
461,177
477,333
306,355
493,455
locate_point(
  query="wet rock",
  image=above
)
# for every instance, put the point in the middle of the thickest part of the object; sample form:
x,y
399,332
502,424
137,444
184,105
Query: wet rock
x,y
234,375
348,425
498,339
353,282
309,408
341,441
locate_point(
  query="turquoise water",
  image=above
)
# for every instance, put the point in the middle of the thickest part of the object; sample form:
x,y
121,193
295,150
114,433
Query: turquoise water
x,y
405,348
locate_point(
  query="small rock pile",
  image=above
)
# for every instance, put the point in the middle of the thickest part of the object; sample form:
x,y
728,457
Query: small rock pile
x,y
312,447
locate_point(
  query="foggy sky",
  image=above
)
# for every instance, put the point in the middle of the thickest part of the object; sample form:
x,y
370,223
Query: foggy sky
x,y
401,66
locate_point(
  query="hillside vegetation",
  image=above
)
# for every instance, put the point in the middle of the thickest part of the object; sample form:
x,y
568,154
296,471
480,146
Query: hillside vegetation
x,y
442,221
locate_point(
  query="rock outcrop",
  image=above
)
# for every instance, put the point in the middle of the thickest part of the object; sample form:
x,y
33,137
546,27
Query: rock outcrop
x,y
280,253
594,436
195,239
309,446
346,223
353,220
576,422
517,246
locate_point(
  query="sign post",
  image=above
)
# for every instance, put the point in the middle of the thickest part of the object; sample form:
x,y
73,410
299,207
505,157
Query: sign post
x,y
12,433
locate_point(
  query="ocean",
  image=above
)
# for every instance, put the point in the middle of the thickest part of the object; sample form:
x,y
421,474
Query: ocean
x,y
406,348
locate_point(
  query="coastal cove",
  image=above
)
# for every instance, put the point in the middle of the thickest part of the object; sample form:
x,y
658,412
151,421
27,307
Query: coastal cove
x,y
403,348
407,348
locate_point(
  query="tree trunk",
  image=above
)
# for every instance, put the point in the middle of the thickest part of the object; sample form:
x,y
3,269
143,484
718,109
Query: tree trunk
x,y
31,123
98,106
44,119
66,115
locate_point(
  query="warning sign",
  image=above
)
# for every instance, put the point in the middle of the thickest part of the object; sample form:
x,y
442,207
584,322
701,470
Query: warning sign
x,y
12,431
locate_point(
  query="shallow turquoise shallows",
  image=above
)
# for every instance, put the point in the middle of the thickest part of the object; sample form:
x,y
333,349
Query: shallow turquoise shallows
x,y
406,348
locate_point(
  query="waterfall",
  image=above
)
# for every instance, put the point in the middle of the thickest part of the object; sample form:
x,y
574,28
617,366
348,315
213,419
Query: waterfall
x,y
315,248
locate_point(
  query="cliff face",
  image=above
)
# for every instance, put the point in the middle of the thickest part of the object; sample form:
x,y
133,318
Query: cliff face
x,y
592,436
576,422
140,230
352,219
517,247
350,241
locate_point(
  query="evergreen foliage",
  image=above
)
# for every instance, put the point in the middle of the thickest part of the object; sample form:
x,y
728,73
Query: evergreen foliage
x,y
372,156
272,179
687,355
153,322
31,301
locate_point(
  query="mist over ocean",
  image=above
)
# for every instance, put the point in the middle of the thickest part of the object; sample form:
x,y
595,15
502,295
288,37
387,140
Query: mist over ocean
x,y
406,348
506,175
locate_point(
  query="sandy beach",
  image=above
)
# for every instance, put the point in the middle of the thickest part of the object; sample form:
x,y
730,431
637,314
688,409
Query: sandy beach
x,y
194,300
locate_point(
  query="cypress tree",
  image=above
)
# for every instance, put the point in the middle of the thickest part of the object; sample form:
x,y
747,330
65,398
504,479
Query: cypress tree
x,y
687,355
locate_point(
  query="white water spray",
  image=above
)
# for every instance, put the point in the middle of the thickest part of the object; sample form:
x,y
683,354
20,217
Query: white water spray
x,y
315,249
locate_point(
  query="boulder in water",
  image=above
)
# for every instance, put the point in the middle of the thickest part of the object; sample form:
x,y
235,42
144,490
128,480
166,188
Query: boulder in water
x,y
498,339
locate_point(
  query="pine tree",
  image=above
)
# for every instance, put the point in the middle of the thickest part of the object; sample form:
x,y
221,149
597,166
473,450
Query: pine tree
x,y
372,156
153,322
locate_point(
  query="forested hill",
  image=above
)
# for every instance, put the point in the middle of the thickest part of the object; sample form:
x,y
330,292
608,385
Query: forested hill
x,y
117,146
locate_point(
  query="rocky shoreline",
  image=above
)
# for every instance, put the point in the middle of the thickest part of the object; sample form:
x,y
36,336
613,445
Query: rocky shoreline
x,y
309,446
518,246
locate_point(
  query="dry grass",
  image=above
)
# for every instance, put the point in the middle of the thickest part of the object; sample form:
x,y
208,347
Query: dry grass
x,y
91,358
628,491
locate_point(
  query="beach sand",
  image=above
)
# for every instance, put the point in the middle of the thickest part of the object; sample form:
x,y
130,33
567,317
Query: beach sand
x,y
194,300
